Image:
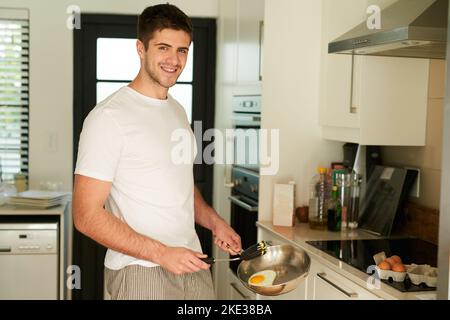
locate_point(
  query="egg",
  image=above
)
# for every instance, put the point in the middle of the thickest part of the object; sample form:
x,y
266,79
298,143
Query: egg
x,y
399,267
396,259
390,261
384,265
263,278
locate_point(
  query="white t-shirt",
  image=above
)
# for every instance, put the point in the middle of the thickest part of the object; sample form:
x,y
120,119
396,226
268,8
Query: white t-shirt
x,y
127,139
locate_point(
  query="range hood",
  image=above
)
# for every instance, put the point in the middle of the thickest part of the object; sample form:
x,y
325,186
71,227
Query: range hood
x,y
409,28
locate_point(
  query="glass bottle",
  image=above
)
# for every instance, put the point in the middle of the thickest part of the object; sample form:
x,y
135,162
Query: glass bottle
x,y
355,199
318,200
334,211
344,183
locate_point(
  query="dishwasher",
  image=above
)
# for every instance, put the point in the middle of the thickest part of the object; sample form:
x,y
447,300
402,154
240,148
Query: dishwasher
x,y
29,260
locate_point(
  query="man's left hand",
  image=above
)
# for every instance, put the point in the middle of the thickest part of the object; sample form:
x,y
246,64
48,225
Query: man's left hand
x,y
226,238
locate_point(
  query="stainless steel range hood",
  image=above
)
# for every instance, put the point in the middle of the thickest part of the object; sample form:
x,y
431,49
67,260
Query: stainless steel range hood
x,y
409,28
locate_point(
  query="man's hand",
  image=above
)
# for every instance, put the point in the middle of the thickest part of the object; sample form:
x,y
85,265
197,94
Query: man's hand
x,y
226,238
181,260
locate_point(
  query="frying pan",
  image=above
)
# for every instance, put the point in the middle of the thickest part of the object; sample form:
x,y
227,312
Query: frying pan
x,y
290,264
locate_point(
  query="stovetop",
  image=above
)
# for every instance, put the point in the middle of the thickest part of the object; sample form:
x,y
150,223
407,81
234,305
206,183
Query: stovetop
x,y
359,254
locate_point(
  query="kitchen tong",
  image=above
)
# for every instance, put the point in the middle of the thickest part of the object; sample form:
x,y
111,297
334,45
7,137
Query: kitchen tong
x,y
250,253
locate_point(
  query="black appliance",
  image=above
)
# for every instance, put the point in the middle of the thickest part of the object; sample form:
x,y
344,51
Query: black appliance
x,y
245,171
246,123
382,206
244,207
350,150
359,254
362,159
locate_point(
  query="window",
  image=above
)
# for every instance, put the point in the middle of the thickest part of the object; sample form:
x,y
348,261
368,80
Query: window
x,y
14,99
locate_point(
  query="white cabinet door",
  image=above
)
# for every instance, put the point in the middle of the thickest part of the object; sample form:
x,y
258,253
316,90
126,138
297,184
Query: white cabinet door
x,y
365,99
394,98
336,75
250,17
227,53
325,284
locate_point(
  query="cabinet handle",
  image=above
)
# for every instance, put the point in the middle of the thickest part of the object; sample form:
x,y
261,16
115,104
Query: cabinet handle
x,y
352,80
323,275
239,291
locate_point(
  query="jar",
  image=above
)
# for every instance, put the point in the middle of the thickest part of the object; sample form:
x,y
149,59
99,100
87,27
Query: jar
x,y
344,184
20,182
349,194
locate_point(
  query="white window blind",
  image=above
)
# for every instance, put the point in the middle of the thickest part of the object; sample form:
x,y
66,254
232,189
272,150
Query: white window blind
x,y
14,100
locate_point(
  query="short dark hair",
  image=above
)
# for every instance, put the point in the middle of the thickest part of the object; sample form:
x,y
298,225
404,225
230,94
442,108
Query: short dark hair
x,y
159,17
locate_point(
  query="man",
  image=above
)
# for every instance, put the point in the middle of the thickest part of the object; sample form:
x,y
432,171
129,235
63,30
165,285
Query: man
x,y
129,193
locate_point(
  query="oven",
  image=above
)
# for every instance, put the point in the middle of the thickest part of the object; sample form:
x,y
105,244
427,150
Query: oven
x,y
246,125
245,171
244,207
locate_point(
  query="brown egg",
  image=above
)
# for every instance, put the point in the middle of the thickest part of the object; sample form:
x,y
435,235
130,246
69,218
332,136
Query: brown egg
x,y
398,267
384,265
390,261
396,259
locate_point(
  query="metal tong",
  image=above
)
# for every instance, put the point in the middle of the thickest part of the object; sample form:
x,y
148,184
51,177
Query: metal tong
x,y
250,253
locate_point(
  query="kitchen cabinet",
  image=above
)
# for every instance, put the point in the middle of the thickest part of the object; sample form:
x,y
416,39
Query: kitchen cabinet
x,y
365,99
242,40
325,284
250,34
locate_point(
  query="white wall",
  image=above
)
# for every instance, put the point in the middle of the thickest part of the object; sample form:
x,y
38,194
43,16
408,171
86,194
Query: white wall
x,y
291,88
51,76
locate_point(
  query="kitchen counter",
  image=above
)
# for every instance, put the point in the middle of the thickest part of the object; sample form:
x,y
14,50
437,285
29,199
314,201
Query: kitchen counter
x,y
8,210
300,233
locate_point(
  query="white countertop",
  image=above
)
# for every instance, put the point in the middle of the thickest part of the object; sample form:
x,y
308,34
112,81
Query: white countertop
x,y
300,233
7,210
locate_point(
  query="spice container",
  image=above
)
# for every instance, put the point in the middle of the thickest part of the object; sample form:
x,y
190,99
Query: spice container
x,y
20,182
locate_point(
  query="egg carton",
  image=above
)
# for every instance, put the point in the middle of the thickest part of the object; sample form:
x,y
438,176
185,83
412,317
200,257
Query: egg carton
x,y
395,275
386,274
422,273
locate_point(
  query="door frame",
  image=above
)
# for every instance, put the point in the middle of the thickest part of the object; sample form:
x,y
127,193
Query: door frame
x,y
443,286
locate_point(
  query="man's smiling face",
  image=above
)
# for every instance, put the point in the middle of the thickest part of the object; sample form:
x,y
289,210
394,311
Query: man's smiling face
x,y
166,56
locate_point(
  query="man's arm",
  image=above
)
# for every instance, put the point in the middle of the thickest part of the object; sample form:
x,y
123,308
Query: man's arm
x,y
91,219
224,236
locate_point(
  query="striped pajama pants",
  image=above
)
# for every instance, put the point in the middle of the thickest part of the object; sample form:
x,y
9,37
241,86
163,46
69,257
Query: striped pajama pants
x,y
136,282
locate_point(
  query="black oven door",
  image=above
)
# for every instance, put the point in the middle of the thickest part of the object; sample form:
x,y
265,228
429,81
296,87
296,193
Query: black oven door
x,y
244,214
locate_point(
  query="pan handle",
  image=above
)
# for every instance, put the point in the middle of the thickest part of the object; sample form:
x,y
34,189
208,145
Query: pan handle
x,y
235,287
208,260
323,275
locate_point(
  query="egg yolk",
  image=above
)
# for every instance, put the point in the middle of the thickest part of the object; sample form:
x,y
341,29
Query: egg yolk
x,y
257,279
